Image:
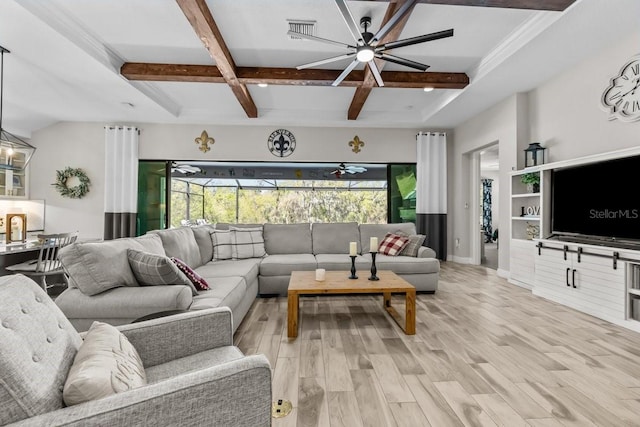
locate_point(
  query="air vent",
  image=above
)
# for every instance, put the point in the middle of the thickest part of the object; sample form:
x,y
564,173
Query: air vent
x,y
303,27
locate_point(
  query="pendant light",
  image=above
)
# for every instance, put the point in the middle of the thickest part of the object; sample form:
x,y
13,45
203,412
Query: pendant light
x,y
14,152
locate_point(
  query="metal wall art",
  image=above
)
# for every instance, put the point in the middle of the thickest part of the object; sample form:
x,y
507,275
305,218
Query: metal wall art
x,y
356,144
281,143
204,141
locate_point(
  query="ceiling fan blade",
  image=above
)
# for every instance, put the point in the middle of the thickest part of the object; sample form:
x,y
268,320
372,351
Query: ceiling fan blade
x,y
350,21
394,20
345,73
402,61
326,61
318,39
416,40
376,72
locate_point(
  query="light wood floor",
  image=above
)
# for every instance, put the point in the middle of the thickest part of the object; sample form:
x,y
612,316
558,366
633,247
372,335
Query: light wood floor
x,y
485,353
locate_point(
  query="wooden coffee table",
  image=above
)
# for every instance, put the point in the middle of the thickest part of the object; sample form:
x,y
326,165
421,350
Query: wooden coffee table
x,y
338,282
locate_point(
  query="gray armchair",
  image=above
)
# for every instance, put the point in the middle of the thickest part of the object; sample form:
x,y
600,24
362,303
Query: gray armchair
x,y
195,375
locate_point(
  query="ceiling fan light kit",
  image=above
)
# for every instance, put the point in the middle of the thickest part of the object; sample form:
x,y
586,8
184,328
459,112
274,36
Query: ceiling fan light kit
x,y
368,46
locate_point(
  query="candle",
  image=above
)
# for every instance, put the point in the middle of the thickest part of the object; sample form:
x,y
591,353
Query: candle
x,y
353,249
320,274
373,244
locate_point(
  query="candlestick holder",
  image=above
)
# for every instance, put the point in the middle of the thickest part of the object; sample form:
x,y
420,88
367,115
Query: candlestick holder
x,y
374,270
353,267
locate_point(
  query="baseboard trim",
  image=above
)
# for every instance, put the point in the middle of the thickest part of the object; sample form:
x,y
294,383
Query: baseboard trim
x,y
503,273
521,284
459,259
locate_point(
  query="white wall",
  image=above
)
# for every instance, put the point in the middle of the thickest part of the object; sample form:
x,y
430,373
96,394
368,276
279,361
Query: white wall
x,y
81,145
564,114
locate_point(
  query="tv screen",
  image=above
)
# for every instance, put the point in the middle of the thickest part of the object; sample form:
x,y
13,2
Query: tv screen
x,y
598,199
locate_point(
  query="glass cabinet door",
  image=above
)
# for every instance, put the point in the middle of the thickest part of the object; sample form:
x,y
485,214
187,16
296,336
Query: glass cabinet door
x,y
13,176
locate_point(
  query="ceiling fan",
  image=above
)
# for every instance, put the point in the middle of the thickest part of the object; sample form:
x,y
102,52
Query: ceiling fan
x,y
351,169
367,45
185,169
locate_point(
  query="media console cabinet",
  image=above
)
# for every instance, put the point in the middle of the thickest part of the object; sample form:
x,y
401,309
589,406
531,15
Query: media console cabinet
x,y
603,281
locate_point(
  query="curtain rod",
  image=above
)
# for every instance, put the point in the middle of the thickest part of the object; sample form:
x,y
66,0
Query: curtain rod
x,y
123,127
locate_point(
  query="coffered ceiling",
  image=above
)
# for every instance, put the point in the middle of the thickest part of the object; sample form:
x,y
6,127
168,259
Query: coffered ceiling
x,y
197,61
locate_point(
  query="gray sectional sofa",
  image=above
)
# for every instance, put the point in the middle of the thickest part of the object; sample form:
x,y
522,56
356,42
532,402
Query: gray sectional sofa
x,y
102,286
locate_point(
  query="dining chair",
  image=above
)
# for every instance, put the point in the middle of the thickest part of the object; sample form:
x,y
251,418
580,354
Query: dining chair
x,y
47,263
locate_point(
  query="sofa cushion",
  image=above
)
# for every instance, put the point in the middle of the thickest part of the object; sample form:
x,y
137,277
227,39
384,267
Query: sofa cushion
x,y
367,231
198,281
392,244
202,234
279,265
95,267
181,243
405,264
228,292
247,268
221,242
247,243
152,270
334,238
341,262
106,364
287,238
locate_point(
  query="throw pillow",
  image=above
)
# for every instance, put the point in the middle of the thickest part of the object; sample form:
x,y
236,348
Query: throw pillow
x,y
392,244
106,363
415,241
197,280
221,240
247,243
151,270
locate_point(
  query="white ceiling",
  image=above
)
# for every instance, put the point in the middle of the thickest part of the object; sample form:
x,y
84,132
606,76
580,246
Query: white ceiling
x,y
66,55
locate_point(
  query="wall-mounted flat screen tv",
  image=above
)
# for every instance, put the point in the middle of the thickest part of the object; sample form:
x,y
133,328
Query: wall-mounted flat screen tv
x,y
599,200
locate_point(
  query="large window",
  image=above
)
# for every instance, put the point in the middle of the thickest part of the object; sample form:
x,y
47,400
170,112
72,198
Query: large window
x,y
358,197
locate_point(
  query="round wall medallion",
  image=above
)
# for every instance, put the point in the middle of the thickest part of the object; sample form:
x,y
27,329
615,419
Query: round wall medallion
x,y
281,143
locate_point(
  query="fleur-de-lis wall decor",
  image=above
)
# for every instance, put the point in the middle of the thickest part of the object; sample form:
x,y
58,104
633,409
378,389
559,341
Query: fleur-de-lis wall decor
x,y
203,141
356,144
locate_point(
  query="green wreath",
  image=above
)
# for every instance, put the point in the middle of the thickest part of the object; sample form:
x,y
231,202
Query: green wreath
x,y
76,192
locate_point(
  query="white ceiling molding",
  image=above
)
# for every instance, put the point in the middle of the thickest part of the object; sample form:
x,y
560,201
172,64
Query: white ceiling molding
x,y
519,38
63,22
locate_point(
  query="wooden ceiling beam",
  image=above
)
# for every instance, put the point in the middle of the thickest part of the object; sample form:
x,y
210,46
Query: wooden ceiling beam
x,y
552,5
204,25
362,92
288,76
171,72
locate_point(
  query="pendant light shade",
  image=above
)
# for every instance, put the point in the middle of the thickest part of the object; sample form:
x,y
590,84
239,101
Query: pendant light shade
x,y
15,153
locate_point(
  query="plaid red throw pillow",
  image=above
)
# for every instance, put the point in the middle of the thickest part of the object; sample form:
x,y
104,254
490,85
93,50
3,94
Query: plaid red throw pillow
x,y
392,244
197,280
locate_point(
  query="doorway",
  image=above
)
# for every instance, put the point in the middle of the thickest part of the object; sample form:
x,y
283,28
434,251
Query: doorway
x,y
488,211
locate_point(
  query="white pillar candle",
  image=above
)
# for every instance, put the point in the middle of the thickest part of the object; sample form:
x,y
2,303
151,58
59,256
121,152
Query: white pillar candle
x,y
320,274
373,244
353,248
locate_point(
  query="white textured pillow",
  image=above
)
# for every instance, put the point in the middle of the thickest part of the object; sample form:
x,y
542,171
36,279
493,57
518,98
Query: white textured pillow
x,y
106,364
221,240
247,243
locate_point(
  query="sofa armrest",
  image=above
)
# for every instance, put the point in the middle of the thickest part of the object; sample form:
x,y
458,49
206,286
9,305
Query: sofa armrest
x,y
425,252
235,393
168,338
126,302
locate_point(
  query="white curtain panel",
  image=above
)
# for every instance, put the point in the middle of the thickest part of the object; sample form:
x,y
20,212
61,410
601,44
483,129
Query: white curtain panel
x,y
431,190
121,181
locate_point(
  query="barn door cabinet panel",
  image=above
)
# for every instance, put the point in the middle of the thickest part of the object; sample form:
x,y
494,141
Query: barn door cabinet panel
x,y
589,280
